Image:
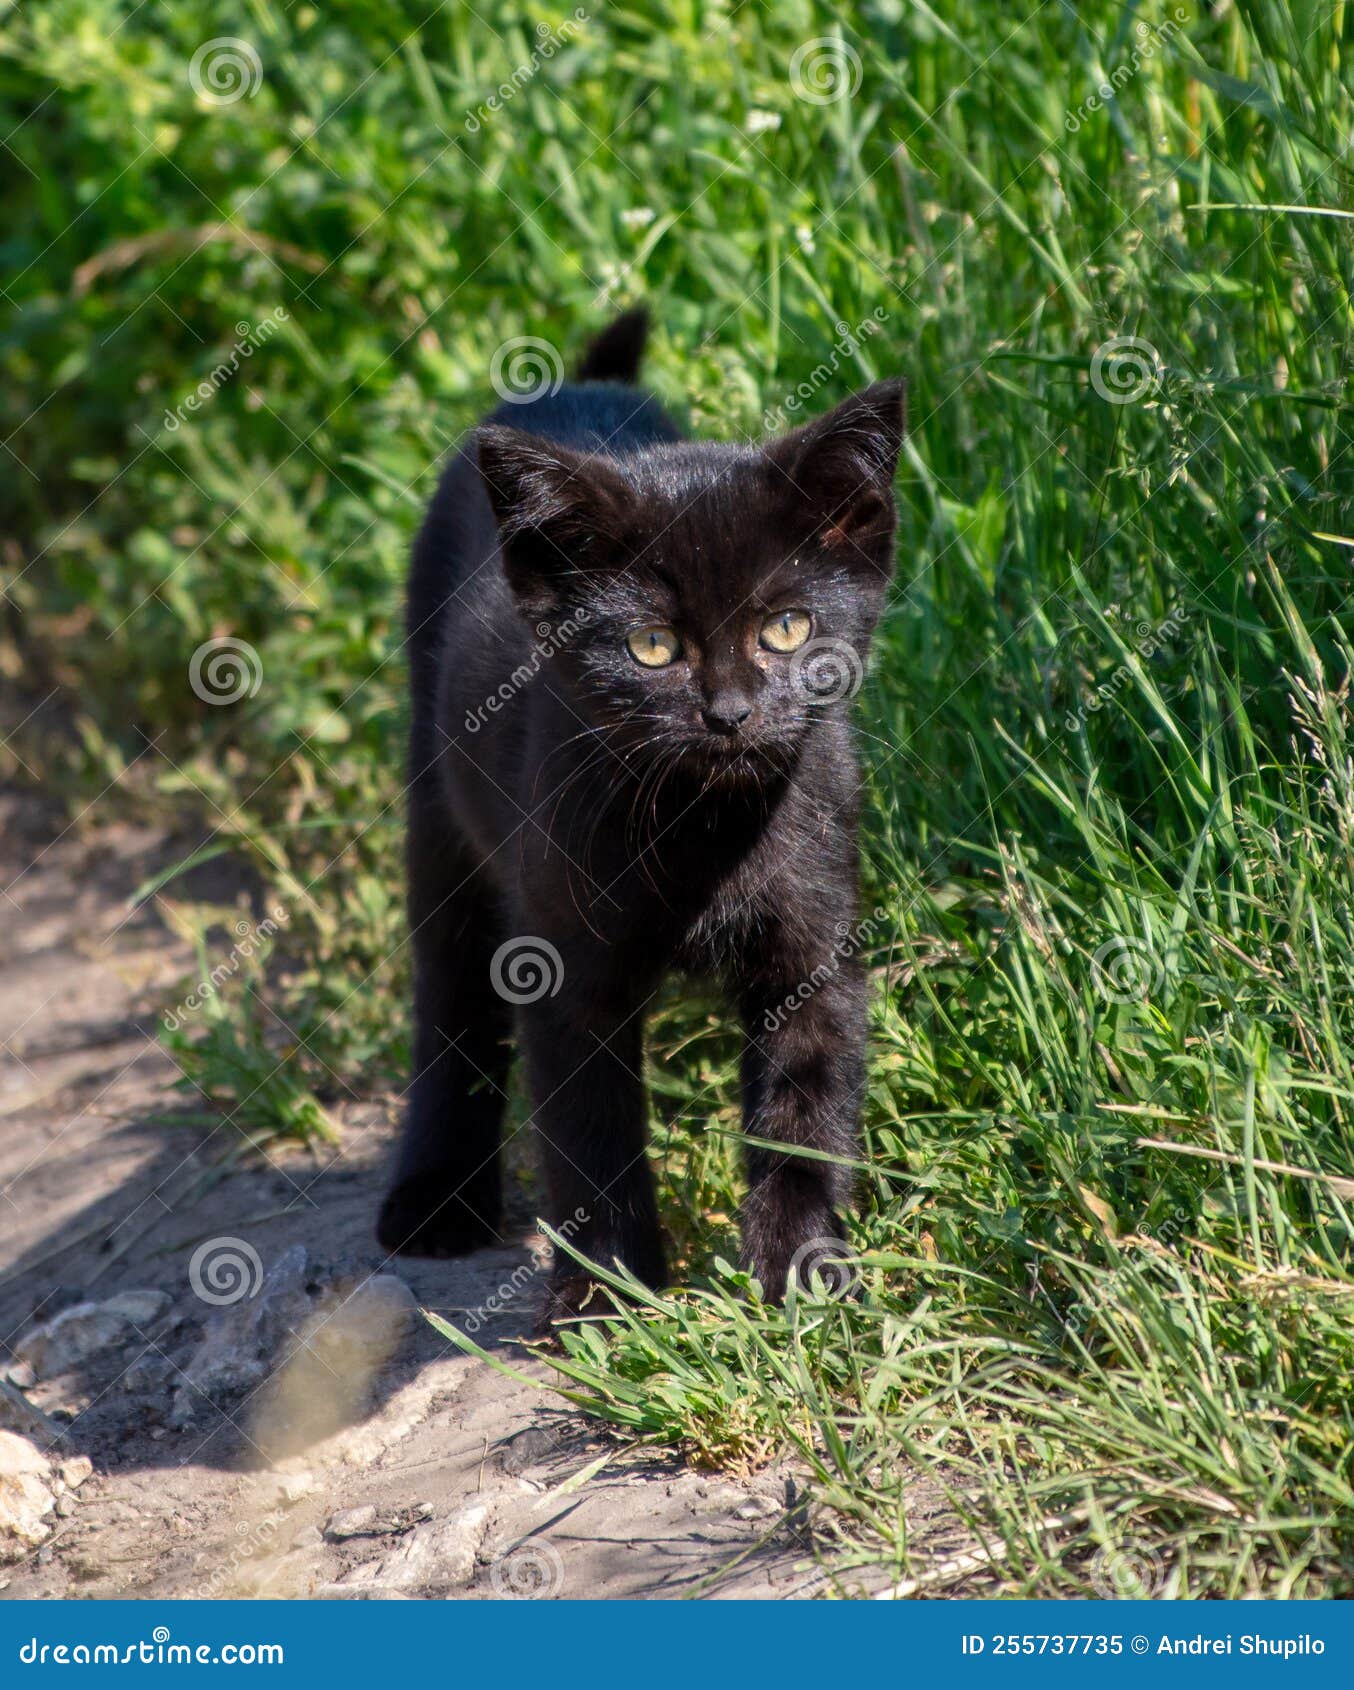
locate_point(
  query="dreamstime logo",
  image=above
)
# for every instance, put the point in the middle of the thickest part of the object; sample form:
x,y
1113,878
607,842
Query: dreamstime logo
x,y
847,345
1125,369
1151,38
518,1280
249,337
224,70
825,70
849,941
550,638
829,669
548,43
822,1260
248,939
1148,641
155,1651
531,1571
225,1270
1127,1573
525,367
1126,970
1103,1292
255,1536
526,969
225,670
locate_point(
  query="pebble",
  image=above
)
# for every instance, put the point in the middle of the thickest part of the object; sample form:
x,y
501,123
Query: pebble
x,y
526,1449
757,1508
352,1522
75,1471
368,1521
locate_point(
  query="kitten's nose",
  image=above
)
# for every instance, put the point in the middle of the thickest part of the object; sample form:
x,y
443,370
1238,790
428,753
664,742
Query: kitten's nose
x,y
727,711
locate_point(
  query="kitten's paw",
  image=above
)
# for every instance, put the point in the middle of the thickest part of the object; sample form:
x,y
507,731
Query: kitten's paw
x,y
817,1259
573,1296
422,1217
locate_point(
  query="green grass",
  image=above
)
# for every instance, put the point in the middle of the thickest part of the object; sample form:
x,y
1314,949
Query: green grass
x,y
1106,1295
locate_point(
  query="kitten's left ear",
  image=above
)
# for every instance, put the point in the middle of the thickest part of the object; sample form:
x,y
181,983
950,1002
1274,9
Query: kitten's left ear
x,y
559,512
839,472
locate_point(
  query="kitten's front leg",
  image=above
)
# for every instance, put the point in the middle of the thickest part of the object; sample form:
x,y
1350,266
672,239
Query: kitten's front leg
x,y
584,1066
803,1080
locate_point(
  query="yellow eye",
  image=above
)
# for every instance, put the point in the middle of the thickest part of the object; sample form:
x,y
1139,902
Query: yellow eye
x,y
655,648
786,631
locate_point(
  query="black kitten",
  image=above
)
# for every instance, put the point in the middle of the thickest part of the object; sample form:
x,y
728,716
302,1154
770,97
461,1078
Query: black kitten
x,y
632,658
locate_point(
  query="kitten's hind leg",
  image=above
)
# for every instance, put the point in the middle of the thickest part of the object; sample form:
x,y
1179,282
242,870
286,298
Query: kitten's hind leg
x,y
446,1197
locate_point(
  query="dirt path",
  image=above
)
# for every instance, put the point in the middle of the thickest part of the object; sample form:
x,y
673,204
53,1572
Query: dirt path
x,y
206,1481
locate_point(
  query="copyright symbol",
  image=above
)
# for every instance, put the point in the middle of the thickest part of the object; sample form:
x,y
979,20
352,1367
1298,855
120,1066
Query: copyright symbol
x,y
1139,1645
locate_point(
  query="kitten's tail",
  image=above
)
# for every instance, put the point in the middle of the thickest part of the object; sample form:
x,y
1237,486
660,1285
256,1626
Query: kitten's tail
x,y
616,353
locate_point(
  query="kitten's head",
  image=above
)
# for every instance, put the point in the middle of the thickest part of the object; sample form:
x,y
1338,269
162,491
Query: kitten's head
x,y
707,603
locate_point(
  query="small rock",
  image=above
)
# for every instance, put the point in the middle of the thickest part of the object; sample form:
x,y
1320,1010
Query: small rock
x,y
526,1449
22,1375
368,1521
66,1506
352,1522
309,1537
86,1329
75,1471
757,1508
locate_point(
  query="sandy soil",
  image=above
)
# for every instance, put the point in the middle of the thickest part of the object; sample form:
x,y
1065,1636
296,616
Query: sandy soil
x,y
110,1180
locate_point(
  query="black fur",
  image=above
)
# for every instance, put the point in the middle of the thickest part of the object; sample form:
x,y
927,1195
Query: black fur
x,y
630,820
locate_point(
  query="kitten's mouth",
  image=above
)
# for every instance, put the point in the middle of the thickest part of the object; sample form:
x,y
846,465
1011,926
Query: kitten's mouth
x,y
715,759
728,759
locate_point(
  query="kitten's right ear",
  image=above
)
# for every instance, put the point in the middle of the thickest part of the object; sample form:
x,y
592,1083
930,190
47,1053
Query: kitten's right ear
x,y
559,512
839,469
